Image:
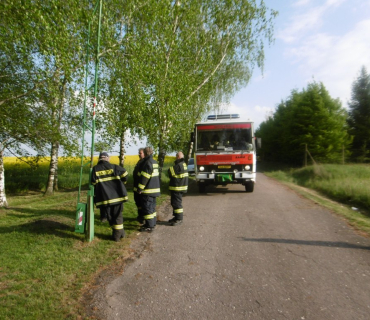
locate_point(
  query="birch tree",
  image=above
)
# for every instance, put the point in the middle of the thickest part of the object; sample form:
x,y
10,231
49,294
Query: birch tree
x,y
42,56
185,55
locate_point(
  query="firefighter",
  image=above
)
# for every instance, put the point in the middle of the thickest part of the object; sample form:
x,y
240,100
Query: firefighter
x,y
110,193
137,196
178,185
149,189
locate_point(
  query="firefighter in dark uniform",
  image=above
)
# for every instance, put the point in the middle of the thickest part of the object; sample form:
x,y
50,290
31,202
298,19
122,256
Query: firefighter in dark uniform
x,y
110,193
178,185
137,196
149,189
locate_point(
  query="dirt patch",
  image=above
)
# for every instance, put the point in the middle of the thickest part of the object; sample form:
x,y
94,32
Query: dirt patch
x,y
94,298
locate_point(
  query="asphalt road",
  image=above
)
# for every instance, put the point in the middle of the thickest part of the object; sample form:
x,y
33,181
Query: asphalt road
x,y
270,254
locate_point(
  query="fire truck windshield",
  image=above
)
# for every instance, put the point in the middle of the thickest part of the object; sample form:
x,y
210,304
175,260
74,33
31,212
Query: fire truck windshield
x,y
223,138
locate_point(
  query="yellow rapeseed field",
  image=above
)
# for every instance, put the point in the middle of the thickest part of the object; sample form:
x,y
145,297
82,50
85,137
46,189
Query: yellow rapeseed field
x,y
129,160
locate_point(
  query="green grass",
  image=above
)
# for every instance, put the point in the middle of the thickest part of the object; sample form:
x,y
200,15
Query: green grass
x,y
45,266
347,185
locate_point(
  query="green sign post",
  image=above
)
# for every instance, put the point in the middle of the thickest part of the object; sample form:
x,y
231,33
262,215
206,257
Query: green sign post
x,y
85,211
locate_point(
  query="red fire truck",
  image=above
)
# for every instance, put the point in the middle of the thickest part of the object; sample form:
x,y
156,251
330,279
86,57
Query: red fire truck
x,y
225,152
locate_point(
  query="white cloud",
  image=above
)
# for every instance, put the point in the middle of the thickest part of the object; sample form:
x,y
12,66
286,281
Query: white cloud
x,y
310,19
335,60
301,3
257,114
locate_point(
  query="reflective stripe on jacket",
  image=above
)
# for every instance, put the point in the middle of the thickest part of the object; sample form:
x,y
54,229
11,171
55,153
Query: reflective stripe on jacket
x,y
108,180
179,176
148,182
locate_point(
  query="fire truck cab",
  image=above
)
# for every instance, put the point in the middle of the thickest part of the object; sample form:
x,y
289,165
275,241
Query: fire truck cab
x,y
225,152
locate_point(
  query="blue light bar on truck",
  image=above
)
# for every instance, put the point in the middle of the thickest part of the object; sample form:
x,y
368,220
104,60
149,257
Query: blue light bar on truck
x,y
223,116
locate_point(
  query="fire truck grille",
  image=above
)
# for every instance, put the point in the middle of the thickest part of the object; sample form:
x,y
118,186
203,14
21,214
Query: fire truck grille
x,y
223,168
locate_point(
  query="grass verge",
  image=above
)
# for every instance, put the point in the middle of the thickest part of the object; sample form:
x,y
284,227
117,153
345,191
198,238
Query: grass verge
x,y
344,190
45,266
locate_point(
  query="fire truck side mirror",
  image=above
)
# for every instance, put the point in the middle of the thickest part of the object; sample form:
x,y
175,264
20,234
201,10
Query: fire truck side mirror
x,y
259,143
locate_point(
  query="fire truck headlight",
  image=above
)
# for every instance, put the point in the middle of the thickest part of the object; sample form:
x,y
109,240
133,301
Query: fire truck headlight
x,y
235,170
247,167
213,171
201,168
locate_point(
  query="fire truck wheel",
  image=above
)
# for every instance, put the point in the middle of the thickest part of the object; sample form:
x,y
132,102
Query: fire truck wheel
x,y
249,186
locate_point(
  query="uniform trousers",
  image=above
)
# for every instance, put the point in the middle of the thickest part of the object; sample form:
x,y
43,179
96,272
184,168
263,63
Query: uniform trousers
x,y
148,205
176,203
138,199
115,219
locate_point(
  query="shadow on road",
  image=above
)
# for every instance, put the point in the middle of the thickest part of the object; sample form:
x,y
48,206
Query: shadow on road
x,y
334,244
211,189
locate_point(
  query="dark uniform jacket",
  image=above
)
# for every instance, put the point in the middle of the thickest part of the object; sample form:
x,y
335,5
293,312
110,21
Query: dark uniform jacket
x,y
179,176
109,180
149,183
137,173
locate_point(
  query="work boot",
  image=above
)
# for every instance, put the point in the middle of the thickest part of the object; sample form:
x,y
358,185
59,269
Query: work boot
x,y
140,220
176,222
118,235
146,228
172,220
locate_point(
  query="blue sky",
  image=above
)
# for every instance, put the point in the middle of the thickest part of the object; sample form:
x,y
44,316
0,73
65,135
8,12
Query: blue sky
x,y
326,41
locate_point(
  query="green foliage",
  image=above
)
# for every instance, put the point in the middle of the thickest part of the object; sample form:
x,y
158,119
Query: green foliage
x,y
173,58
162,66
309,118
20,177
41,68
359,117
39,57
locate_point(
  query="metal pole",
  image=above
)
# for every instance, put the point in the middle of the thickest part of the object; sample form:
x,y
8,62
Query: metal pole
x,y
90,203
82,207
85,211
84,112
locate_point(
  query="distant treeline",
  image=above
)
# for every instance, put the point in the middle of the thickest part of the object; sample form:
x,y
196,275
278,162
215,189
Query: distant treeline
x,y
310,126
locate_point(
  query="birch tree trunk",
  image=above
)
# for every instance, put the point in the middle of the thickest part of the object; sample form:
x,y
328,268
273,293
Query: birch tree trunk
x,y
122,150
57,115
3,202
190,151
53,168
55,186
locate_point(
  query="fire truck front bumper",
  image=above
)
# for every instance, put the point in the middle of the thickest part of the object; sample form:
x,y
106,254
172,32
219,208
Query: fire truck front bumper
x,y
238,177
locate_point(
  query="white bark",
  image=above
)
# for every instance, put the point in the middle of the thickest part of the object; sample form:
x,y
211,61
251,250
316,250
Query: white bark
x,y
52,169
3,202
122,150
